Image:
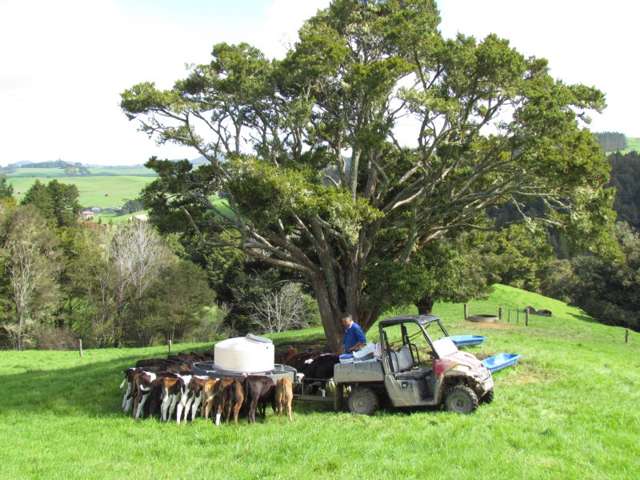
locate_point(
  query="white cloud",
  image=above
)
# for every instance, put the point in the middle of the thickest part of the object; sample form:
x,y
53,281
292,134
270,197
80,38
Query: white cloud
x,y
63,64
585,41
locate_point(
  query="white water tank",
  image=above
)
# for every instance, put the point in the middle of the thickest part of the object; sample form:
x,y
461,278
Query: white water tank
x,y
245,354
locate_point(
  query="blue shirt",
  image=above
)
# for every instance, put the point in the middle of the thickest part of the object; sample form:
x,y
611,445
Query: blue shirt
x,y
352,336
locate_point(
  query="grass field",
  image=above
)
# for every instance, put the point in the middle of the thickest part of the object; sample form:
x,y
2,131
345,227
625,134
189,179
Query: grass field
x,y
123,170
48,172
98,191
569,410
633,144
108,217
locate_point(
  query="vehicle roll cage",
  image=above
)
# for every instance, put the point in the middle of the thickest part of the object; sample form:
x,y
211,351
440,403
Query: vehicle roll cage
x,y
422,321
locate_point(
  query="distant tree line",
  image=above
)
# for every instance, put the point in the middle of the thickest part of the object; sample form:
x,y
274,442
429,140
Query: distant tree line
x,y
612,141
625,177
606,287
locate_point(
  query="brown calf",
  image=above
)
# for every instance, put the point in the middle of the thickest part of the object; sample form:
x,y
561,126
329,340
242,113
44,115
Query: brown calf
x,y
229,396
208,396
284,396
260,390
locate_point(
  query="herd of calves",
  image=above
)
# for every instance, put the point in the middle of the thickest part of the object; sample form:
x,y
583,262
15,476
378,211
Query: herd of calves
x,y
168,388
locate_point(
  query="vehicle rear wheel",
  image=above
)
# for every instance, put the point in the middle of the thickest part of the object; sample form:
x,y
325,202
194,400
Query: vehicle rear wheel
x,y
363,401
488,397
461,399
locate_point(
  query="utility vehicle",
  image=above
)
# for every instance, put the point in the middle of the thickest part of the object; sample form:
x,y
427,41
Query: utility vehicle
x,y
416,365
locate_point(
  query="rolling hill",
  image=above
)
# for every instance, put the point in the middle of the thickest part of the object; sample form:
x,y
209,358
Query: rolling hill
x,y
99,191
633,145
568,410
98,186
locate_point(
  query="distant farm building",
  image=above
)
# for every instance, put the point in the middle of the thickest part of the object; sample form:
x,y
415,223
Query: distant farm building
x,y
87,215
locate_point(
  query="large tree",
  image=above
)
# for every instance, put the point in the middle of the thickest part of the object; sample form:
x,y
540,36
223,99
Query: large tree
x,y
372,138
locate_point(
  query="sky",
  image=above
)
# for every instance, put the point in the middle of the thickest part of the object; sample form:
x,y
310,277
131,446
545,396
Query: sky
x,y
64,63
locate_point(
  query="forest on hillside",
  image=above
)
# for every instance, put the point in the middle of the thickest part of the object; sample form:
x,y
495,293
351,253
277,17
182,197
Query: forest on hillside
x,y
612,141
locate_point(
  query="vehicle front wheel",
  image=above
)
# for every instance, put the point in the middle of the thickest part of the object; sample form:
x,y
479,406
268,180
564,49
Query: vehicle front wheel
x,y
488,397
363,401
461,399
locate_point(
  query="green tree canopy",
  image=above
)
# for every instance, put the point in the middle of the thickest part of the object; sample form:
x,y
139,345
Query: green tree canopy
x,y
6,189
372,138
56,201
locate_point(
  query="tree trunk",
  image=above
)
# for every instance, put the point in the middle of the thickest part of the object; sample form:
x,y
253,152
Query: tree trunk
x,y
425,305
367,317
329,315
20,328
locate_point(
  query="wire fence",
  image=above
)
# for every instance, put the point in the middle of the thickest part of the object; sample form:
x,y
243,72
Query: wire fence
x,y
521,316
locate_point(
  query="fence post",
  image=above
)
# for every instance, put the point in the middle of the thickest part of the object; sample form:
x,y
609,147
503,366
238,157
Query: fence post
x,y
517,315
466,311
626,335
509,315
80,347
526,317
500,313
169,345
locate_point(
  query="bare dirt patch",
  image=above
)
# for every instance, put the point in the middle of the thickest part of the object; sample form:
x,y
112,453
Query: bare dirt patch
x,y
494,326
528,373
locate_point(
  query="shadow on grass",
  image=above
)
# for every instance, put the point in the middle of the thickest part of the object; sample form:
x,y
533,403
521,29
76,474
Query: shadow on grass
x,y
584,317
91,389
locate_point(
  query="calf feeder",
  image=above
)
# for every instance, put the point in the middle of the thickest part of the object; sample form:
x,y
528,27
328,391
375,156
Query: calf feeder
x,y
243,356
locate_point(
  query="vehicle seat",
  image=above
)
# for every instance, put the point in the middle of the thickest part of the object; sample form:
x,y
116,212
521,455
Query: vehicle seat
x,y
402,359
416,374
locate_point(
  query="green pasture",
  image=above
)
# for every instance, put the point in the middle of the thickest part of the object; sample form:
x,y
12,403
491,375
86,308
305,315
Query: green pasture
x,y
40,172
139,171
49,172
108,217
569,410
98,191
633,144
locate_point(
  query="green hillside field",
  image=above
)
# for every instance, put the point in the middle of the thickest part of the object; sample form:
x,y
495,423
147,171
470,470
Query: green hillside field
x,y
569,410
633,144
95,191
49,172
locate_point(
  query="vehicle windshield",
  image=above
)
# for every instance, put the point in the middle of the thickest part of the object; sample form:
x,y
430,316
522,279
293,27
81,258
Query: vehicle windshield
x,y
435,331
411,334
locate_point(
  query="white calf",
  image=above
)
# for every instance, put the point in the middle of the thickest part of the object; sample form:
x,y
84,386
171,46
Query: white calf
x,y
170,394
185,397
